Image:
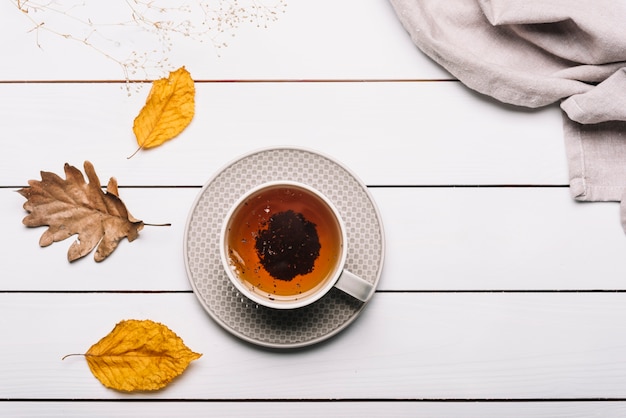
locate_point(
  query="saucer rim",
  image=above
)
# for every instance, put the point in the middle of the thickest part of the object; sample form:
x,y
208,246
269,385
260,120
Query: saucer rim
x,y
237,333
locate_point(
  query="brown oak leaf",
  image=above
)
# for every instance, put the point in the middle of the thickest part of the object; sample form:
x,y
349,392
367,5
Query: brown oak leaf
x,y
138,355
73,207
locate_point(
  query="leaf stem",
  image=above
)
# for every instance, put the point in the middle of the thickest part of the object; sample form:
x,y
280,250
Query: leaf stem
x,y
168,224
72,355
134,153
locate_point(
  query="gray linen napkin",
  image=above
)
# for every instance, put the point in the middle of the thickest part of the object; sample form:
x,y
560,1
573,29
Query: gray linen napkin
x,y
533,53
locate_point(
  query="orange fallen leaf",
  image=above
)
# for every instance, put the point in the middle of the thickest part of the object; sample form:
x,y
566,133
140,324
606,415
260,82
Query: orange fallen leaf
x,y
169,108
138,355
73,207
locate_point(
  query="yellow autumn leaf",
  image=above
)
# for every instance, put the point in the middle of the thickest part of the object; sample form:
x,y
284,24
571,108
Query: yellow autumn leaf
x,y
169,108
138,355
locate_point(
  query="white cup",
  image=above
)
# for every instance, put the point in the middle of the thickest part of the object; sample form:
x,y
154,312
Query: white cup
x,y
283,245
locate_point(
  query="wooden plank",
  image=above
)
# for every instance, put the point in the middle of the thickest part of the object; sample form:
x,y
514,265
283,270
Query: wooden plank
x,y
368,409
500,238
387,133
152,262
326,39
436,239
441,346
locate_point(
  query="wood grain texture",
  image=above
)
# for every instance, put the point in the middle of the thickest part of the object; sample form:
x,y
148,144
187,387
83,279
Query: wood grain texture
x,y
437,239
339,409
403,346
500,296
327,39
387,133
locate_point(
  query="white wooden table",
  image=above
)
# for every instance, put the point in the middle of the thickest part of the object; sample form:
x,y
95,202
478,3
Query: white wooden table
x,y
499,296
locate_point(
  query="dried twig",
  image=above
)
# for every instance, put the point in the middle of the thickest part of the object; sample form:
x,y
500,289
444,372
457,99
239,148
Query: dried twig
x,y
205,21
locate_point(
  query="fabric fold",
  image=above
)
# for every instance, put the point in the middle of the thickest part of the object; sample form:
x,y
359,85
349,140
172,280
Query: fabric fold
x,y
604,103
534,53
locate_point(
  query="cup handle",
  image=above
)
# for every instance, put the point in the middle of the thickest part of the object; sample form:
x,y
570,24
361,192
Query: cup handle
x,y
355,286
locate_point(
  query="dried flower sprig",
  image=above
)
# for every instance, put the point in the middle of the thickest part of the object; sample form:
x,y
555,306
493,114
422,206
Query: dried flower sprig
x,y
97,26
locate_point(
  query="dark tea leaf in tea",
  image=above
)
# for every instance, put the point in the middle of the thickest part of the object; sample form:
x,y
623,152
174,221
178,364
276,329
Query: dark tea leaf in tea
x,y
289,246
283,242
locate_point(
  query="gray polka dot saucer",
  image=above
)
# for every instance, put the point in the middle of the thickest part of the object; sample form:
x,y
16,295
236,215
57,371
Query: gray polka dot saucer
x,y
234,312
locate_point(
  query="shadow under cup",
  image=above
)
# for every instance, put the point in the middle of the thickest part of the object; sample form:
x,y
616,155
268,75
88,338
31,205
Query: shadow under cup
x,y
283,245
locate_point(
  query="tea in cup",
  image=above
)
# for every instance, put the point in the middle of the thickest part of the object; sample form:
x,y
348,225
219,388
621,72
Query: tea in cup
x,y
284,245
